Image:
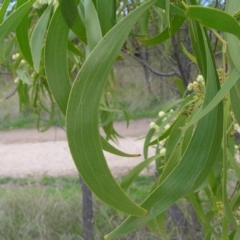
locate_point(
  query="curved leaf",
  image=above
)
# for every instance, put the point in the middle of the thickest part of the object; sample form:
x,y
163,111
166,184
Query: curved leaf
x,y
175,135
181,180
70,12
198,46
13,20
93,28
214,18
173,8
176,23
107,14
106,146
75,50
233,51
38,36
56,64
188,54
57,70
235,99
22,36
3,9
233,42
82,116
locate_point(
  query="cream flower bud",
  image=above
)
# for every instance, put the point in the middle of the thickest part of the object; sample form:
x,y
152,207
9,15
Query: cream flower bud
x,y
163,151
167,127
156,127
15,56
16,80
235,126
199,78
152,124
190,87
40,3
23,61
195,85
163,142
161,113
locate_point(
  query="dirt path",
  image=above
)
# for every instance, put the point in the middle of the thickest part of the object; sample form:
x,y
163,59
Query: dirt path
x,y
27,152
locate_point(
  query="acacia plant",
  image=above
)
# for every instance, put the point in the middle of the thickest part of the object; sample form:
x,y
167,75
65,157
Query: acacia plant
x,y
67,50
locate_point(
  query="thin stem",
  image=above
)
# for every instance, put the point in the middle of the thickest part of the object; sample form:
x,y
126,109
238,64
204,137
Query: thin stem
x,y
234,191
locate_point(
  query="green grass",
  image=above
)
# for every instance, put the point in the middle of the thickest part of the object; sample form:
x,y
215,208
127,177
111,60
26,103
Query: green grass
x,y
21,122
26,121
30,120
50,208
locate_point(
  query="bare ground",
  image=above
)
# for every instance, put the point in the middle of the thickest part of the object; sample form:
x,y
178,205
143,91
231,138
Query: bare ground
x,y
27,152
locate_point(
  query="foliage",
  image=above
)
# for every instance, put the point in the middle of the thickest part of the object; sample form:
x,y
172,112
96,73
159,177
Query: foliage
x,y
67,54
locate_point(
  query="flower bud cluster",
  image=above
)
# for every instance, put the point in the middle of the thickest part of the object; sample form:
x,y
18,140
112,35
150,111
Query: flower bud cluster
x,y
154,126
197,85
15,56
222,77
40,3
164,127
237,148
221,211
236,214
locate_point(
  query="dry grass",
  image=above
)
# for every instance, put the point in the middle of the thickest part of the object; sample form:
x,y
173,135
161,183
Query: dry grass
x,y
50,209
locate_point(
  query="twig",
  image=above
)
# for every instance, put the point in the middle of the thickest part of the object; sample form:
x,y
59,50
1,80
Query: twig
x,y
11,94
235,189
153,70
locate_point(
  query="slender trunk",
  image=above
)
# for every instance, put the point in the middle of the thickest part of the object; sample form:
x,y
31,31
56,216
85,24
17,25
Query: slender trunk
x,y
179,60
144,57
87,211
178,217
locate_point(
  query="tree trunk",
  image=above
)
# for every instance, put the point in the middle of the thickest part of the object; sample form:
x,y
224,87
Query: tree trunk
x,y
182,69
178,217
87,211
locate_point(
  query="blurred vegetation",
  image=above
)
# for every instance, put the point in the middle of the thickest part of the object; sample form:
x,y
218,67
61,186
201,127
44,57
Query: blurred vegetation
x,y
131,90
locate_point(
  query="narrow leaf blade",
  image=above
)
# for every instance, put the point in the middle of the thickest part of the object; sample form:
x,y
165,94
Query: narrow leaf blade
x,y
70,12
214,18
22,36
56,60
38,36
12,21
82,116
